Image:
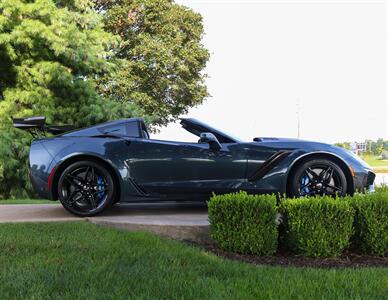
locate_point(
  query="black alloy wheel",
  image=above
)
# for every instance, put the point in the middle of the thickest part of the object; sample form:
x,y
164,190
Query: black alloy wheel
x,y
318,177
86,188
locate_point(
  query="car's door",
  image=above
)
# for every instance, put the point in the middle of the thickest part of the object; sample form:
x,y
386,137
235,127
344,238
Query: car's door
x,y
174,167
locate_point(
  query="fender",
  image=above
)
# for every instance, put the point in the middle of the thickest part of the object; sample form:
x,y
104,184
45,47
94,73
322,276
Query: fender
x,y
126,183
299,158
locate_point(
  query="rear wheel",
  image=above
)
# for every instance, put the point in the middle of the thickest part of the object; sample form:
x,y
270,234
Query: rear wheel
x,y
318,177
86,188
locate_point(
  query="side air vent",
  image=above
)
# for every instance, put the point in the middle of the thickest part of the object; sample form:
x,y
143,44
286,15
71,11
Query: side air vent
x,y
269,164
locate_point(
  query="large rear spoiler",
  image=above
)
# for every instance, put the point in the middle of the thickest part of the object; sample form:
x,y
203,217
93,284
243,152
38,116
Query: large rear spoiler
x,y
37,126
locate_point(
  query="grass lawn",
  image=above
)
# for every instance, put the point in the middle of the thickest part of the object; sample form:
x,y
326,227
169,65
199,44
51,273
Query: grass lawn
x,y
79,260
378,165
27,201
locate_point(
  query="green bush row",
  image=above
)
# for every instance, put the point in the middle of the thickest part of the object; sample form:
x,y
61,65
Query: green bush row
x,y
316,226
370,222
312,226
244,223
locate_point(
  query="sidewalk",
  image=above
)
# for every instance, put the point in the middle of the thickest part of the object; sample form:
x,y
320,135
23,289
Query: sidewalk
x,y
178,221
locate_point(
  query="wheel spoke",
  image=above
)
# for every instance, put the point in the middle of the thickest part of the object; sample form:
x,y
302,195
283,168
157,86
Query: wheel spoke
x,y
329,175
97,184
71,199
73,180
92,202
92,181
86,173
310,171
333,187
100,191
323,173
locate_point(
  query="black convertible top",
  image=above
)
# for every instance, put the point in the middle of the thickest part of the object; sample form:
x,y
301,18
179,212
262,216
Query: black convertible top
x,y
197,127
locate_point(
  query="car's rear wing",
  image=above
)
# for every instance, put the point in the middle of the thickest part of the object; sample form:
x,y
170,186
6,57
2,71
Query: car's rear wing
x,y
37,126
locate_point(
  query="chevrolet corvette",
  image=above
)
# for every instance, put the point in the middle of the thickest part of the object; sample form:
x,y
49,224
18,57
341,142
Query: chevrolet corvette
x,y
89,169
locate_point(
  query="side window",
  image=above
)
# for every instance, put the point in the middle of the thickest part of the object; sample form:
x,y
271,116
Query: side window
x,y
133,129
125,129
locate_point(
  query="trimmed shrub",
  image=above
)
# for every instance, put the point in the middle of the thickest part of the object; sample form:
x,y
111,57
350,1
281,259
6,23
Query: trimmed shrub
x,y
317,226
370,222
381,189
244,223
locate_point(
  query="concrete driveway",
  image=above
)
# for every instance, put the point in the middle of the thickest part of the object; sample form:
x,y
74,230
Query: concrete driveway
x,y
187,221
381,178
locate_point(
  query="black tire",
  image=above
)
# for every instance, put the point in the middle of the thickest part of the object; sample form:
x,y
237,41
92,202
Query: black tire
x,y
318,177
86,188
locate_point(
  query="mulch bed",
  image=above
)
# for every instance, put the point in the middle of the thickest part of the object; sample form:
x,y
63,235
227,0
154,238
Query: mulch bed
x,y
348,259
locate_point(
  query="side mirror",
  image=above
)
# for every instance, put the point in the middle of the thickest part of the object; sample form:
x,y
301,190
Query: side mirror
x,y
209,138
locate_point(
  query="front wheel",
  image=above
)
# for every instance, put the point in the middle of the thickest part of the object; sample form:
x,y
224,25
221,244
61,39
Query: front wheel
x,y
86,188
318,177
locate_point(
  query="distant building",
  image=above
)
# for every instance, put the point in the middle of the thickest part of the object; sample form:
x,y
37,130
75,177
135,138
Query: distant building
x,y
358,148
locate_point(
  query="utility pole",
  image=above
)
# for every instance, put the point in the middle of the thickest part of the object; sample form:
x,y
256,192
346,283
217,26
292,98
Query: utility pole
x,y
298,116
386,67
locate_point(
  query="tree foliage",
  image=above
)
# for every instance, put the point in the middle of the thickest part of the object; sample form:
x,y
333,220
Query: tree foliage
x,y
14,178
378,148
345,145
160,60
49,56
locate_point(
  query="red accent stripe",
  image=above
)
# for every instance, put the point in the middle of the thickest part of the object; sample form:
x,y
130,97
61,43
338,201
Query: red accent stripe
x,y
50,177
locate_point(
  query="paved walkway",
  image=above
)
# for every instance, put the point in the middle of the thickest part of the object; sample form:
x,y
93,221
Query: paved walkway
x,y
381,178
180,221
34,213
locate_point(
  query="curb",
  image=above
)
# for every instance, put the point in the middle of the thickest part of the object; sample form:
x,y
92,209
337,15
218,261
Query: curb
x,y
194,233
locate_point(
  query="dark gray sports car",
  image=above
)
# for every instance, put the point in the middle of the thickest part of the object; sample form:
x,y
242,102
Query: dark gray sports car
x,y
89,169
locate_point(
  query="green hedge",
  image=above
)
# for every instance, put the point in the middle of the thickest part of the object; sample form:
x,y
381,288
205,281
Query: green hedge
x,y
244,223
311,226
317,226
370,222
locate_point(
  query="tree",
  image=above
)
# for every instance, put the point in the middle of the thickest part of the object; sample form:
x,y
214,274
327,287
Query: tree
x,y
379,147
49,56
161,59
345,145
14,180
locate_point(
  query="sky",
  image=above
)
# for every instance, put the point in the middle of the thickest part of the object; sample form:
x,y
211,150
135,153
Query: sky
x,y
269,57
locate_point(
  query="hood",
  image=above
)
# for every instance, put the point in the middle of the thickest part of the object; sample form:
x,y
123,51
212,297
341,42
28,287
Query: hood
x,y
290,143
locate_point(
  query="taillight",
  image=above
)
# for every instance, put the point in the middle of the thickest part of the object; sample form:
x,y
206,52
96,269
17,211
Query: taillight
x,y
50,178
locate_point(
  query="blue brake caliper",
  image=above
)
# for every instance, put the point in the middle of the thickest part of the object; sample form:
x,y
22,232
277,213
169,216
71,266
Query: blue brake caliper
x,y
100,188
302,185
